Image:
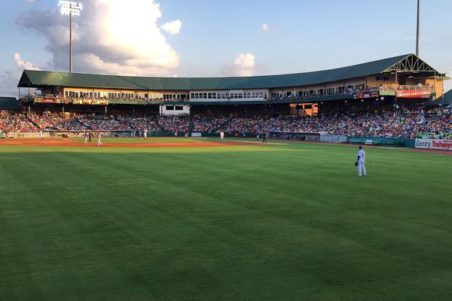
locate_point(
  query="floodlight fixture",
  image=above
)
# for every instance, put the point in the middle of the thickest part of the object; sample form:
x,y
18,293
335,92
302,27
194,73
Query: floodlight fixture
x,y
70,8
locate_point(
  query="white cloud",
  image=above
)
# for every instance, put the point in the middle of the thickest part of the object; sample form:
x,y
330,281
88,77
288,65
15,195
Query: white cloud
x,y
10,78
111,37
265,27
24,65
244,65
173,27
8,83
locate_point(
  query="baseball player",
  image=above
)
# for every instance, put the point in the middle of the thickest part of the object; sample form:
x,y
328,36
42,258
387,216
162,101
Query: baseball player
x,y
99,139
221,135
360,161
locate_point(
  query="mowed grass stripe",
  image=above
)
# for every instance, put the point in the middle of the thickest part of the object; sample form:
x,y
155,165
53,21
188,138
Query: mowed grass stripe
x,y
274,225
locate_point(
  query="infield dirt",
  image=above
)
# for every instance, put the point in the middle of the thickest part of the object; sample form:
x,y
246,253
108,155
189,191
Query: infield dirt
x,y
108,144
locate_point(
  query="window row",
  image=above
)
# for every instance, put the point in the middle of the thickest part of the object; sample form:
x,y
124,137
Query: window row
x,y
229,95
105,95
174,108
175,96
316,92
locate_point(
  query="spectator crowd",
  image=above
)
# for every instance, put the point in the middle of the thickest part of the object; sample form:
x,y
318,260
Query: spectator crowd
x,y
398,123
401,123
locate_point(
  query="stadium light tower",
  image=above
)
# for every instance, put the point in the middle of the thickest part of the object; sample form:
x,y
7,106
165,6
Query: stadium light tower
x,y
69,8
417,27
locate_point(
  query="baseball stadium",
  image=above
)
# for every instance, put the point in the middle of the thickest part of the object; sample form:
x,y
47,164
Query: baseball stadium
x,y
228,188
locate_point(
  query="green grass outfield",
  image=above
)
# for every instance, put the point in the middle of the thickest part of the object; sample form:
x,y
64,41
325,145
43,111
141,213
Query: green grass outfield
x,y
275,222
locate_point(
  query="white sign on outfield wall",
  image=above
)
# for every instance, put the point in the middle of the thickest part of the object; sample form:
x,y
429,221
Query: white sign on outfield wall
x,y
438,144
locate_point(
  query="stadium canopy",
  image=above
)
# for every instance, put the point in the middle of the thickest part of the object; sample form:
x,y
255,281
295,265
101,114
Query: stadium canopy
x,y
446,100
9,104
408,63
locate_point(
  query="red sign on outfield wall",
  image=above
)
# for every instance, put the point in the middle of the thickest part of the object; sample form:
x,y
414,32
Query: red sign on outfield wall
x,y
413,94
438,144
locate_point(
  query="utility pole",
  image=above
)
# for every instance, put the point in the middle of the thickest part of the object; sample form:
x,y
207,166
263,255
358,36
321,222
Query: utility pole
x,y
417,27
70,43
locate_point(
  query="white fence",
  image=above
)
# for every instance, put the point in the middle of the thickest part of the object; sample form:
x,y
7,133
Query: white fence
x,y
333,139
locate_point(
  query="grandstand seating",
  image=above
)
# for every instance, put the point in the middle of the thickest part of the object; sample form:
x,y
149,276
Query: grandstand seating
x,y
391,123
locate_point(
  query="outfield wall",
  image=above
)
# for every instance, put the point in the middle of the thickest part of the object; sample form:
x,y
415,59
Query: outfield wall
x,y
401,142
24,135
430,144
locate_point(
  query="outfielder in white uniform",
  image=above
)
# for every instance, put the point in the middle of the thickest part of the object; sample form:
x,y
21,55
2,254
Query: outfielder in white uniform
x,y
221,135
361,159
99,139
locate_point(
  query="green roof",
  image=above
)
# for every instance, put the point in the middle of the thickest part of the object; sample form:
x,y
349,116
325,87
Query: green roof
x,y
39,79
9,104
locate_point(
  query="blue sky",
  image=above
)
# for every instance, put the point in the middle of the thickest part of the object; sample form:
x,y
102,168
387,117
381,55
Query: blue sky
x,y
218,38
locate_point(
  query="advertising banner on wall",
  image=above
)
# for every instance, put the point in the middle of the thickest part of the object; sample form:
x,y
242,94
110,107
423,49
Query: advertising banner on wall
x,y
50,100
413,94
365,95
437,144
